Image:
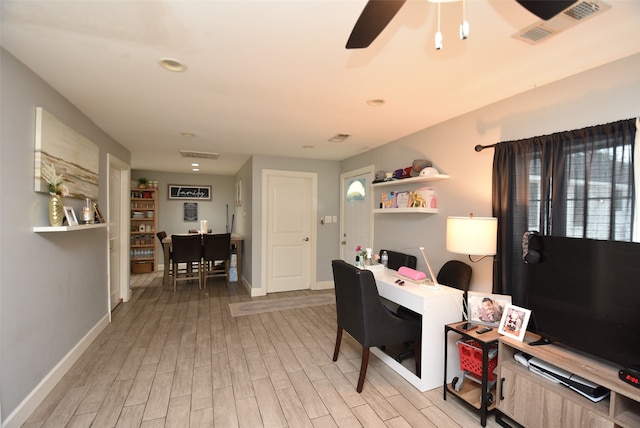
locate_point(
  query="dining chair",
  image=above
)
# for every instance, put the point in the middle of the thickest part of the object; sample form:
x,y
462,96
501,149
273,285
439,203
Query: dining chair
x,y
198,231
361,313
161,235
187,249
216,254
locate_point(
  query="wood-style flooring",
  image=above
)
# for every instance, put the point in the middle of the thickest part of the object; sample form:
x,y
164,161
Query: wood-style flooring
x,y
180,360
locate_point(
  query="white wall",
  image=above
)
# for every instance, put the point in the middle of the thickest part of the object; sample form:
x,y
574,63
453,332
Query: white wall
x,y
601,95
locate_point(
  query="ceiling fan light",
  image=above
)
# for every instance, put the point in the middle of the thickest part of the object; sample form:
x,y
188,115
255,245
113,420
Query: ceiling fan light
x,y
438,40
464,30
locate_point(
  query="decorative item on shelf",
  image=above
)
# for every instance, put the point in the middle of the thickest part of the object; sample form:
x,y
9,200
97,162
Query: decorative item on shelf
x,y
56,191
87,211
142,183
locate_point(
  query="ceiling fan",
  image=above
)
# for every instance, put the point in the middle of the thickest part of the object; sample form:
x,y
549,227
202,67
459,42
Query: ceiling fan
x,y
378,13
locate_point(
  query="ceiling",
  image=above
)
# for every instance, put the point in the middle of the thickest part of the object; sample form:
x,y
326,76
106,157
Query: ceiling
x,y
274,78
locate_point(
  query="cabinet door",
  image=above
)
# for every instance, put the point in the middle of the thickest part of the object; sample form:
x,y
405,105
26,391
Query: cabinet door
x,y
533,405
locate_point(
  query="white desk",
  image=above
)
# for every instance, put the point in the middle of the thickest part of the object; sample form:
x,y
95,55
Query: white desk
x,y
439,306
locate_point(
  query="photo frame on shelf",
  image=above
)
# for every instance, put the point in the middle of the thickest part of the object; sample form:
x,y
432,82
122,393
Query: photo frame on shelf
x,y
99,216
486,308
514,322
70,215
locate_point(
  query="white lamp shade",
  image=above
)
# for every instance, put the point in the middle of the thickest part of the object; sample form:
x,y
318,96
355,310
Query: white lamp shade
x,y
474,236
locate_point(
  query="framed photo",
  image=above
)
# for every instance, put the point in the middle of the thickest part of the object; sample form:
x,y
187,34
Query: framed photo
x,y
190,211
239,193
486,309
180,191
514,322
99,216
70,215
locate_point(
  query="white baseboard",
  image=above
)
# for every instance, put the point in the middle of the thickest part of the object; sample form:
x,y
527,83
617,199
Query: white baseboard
x,y
46,385
323,285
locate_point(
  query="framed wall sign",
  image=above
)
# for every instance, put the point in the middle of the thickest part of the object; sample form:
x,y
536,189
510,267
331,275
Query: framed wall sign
x,y
190,211
182,191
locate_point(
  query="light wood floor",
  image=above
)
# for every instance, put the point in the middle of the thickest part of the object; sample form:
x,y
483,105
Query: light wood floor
x,y
180,360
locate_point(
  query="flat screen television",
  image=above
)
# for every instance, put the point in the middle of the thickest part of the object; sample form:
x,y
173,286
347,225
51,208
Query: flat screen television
x,y
585,294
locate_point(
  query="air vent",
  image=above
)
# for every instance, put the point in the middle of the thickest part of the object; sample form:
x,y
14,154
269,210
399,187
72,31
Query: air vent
x,y
198,155
339,138
570,17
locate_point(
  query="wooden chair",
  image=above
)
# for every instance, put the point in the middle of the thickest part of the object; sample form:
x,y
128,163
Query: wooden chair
x,y
187,249
161,235
216,255
362,314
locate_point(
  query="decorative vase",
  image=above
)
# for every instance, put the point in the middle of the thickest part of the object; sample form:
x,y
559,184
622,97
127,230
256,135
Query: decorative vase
x,y
56,214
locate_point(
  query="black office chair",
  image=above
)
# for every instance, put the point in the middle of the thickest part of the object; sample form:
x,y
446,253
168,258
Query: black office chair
x,y
362,314
187,249
216,253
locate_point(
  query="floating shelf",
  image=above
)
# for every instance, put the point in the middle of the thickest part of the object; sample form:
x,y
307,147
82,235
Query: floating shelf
x,y
410,180
45,229
405,210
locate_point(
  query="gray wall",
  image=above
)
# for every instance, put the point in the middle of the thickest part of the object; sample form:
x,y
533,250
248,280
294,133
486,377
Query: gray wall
x,y
601,95
53,287
171,212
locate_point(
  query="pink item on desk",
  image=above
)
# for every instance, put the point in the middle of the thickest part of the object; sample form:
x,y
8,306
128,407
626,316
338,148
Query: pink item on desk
x,y
413,274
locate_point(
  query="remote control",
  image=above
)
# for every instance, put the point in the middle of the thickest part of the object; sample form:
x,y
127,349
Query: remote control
x,y
484,330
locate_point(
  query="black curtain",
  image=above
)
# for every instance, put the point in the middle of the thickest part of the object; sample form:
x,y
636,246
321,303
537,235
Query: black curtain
x,y
576,183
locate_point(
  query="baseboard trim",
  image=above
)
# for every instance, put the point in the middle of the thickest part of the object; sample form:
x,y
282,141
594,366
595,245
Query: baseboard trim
x,y
20,415
323,285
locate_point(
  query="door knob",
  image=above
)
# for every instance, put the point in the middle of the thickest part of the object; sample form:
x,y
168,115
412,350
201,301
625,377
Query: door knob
x,y
305,239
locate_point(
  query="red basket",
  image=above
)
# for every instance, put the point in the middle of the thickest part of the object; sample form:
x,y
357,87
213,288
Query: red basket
x,y
471,359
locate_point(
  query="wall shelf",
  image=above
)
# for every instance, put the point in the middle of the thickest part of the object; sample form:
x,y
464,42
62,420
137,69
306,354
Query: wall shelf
x,y
405,210
410,180
45,229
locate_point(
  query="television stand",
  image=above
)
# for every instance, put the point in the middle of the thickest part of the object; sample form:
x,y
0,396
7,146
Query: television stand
x,y
520,391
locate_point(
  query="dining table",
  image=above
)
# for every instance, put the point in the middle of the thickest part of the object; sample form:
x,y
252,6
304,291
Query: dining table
x,y
236,239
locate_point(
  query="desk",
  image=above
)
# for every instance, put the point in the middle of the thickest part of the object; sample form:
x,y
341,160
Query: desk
x,y
438,306
235,240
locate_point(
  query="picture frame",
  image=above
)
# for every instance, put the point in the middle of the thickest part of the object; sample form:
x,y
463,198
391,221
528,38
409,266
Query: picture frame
x,y
239,193
183,191
70,215
190,212
99,216
514,322
486,308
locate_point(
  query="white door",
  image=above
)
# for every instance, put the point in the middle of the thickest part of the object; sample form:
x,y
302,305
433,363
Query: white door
x,y
117,217
289,201
356,226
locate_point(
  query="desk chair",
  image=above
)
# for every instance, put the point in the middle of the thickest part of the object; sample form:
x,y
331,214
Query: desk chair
x,y
216,248
187,249
362,314
161,235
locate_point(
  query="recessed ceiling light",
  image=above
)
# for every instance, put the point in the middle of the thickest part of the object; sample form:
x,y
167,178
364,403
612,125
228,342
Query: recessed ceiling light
x,y
187,134
172,64
195,169
195,164
375,103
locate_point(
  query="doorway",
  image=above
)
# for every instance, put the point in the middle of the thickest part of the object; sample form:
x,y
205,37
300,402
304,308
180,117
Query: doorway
x,y
118,218
288,222
356,213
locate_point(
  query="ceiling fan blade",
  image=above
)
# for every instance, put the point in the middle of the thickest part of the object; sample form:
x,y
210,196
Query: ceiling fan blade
x,y
373,19
546,9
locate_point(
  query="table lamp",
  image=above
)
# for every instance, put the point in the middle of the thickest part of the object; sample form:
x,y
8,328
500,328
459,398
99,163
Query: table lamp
x,y
474,236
